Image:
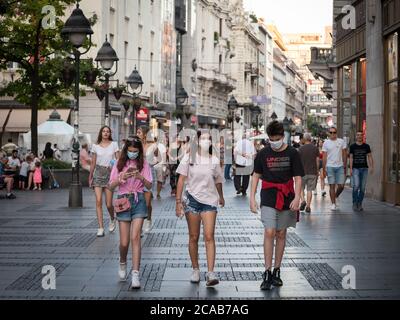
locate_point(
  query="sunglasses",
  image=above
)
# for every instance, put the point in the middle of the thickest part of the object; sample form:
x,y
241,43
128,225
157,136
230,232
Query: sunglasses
x,y
332,132
133,140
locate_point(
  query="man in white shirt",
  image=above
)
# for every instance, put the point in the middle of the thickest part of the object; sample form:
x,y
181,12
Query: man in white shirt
x,y
244,154
334,164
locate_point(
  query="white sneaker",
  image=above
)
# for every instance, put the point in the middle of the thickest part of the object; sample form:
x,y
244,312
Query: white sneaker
x,y
100,232
35,188
112,226
212,279
147,226
135,280
122,271
195,277
333,207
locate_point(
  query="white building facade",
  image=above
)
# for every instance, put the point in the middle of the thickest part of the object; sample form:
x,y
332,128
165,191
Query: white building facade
x,y
143,35
207,59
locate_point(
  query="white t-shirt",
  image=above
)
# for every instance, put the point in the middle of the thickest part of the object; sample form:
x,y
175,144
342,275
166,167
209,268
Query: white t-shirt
x,y
24,169
333,149
14,162
105,156
244,147
202,178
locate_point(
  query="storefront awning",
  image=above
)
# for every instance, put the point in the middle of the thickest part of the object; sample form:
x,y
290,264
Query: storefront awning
x,y
20,119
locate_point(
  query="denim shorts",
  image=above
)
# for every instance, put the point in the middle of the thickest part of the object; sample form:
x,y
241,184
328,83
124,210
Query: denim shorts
x,y
191,205
138,209
335,175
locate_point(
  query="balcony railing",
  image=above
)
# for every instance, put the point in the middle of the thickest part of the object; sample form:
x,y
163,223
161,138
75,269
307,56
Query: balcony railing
x,y
247,67
321,55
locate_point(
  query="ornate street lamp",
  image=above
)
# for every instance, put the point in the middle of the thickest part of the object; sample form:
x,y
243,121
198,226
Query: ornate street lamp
x,y
257,111
286,127
232,106
135,82
76,30
274,116
182,96
107,57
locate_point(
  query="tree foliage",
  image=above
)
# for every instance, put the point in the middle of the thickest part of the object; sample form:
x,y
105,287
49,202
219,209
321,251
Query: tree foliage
x,y
30,34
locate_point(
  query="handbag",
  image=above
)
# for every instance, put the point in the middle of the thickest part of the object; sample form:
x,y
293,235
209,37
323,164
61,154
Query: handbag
x,y
121,205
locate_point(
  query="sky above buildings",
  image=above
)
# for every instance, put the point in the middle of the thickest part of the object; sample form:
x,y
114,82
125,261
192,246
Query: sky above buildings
x,y
294,16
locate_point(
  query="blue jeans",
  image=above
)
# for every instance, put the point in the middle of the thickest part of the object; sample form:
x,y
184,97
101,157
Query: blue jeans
x,y
227,171
359,183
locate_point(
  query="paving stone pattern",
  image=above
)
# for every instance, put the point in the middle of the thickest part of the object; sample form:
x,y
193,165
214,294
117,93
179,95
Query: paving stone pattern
x,y
38,229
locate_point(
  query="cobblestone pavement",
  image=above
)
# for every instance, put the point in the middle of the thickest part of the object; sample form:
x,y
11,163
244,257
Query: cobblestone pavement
x,y
38,229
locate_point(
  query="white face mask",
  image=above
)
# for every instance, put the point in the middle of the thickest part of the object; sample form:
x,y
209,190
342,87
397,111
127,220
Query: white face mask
x,y
205,144
276,145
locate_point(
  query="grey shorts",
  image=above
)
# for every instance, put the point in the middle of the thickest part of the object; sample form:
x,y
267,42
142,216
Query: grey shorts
x,y
279,220
309,181
101,176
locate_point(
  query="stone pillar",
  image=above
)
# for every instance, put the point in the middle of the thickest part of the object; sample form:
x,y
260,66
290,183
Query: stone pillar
x,y
375,100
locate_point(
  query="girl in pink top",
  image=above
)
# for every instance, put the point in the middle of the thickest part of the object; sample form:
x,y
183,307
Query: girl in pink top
x,y
131,174
37,176
201,171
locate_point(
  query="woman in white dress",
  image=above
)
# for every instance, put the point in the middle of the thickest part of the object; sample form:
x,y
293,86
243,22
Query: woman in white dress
x,y
104,155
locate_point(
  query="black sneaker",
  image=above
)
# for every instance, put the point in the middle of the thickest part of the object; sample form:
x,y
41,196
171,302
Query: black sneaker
x,y
276,278
360,207
324,194
355,207
267,281
10,196
308,209
303,206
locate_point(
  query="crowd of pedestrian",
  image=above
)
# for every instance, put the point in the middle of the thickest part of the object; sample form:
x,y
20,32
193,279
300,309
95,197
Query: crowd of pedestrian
x,y
23,172
138,168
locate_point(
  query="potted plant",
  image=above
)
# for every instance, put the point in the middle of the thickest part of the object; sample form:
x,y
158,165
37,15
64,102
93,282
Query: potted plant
x,y
118,91
177,114
101,91
126,104
91,76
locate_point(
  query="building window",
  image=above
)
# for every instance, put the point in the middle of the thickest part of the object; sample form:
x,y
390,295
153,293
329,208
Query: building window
x,y
139,58
111,40
392,109
220,27
151,67
126,46
220,63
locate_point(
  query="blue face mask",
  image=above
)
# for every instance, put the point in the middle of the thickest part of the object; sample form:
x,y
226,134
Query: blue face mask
x,y
132,155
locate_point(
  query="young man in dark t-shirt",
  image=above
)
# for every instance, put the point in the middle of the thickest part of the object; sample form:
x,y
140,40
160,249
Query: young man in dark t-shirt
x,y
360,155
276,165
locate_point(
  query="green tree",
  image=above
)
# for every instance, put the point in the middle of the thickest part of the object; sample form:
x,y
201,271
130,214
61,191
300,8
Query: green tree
x,y
31,36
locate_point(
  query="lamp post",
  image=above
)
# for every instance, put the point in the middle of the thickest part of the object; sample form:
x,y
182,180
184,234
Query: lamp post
x,y
135,82
76,30
181,100
257,111
232,105
274,116
106,57
286,128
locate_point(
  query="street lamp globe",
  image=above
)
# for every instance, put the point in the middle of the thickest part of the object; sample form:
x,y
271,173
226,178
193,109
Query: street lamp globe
x,y
106,56
77,28
134,80
286,124
232,103
181,96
